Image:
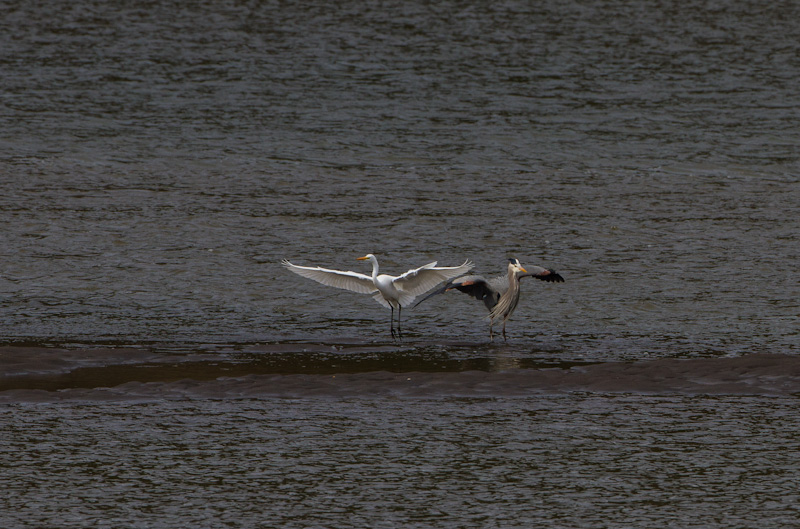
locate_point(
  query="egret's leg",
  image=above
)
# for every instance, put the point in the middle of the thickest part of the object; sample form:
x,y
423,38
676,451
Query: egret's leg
x,y
399,313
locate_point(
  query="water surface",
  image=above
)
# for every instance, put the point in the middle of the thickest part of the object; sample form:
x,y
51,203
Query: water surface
x,y
158,367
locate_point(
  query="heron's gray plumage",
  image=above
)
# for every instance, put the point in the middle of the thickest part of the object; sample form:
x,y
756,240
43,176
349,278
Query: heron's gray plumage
x,y
508,300
500,294
478,287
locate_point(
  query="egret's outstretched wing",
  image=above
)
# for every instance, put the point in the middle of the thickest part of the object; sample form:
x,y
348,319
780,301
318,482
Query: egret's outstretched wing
x,y
418,281
335,278
545,274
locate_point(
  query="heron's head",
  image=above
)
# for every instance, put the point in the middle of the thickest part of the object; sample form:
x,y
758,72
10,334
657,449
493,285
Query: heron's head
x,y
516,266
368,256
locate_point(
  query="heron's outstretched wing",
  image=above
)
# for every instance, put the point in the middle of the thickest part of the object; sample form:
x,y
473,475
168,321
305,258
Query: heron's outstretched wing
x,y
335,278
420,280
475,286
545,274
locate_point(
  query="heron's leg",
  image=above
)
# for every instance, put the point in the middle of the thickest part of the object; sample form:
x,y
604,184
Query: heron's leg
x,y
491,334
504,331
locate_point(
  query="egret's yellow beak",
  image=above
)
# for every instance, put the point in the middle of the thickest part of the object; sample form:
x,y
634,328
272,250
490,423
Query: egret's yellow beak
x,y
362,258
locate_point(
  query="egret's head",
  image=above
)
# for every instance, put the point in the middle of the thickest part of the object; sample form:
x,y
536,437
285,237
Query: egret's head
x,y
368,256
515,265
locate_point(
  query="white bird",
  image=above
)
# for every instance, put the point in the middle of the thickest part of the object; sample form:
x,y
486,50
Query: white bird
x,y
393,292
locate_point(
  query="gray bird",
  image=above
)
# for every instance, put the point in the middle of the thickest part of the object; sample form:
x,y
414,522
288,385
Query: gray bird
x,y
500,294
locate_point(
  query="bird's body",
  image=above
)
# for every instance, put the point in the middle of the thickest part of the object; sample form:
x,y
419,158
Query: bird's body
x,y
500,294
393,292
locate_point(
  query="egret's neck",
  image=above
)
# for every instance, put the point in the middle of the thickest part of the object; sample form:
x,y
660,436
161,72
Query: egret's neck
x,y
374,262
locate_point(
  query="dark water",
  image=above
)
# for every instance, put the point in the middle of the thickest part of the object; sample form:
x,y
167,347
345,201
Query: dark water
x,y
580,461
159,367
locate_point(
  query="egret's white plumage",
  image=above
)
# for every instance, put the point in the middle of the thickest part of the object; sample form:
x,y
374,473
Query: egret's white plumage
x,y
393,292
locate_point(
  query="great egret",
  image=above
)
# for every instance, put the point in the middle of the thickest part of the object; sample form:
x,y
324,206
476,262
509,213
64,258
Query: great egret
x,y
390,291
500,294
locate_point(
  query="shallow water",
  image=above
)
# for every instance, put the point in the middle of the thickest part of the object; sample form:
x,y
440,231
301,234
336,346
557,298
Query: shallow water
x,y
157,163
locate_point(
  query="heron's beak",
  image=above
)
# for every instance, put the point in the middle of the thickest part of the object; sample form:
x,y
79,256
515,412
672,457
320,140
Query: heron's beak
x,y
362,258
525,271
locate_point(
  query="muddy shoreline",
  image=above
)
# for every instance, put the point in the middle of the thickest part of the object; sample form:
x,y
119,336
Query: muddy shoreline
x,y
36,374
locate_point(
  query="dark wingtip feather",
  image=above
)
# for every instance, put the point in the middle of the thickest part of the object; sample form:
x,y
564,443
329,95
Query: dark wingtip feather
x,y
551,276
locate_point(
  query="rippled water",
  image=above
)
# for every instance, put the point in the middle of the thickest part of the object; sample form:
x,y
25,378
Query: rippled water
x,y
157,161
584,461
160,162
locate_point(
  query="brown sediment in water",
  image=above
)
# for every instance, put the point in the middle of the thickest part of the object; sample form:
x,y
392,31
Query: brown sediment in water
x,y
44,374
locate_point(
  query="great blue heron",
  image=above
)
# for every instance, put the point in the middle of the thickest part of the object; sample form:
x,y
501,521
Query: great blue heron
x,y
500,294
390,291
